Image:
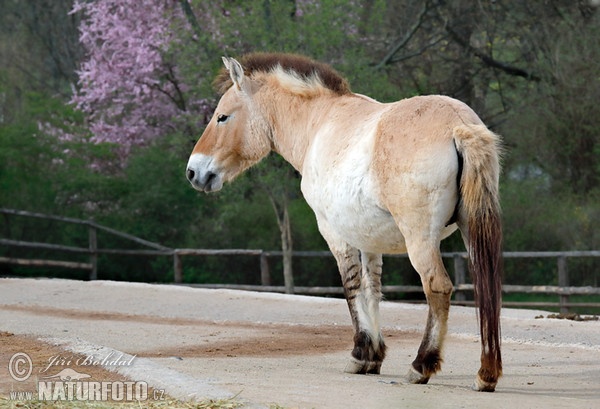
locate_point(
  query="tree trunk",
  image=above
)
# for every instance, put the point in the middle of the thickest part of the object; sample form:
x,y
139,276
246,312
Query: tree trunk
x,y
285,228
286,247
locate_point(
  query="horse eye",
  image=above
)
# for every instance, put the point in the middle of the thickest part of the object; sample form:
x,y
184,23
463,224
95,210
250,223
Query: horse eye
x,y
222,118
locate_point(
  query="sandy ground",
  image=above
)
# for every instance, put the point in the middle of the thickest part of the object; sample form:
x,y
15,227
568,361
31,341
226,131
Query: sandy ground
x,y
272,349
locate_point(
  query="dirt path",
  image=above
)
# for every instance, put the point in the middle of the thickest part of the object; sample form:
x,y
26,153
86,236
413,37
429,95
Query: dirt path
x,y
285,350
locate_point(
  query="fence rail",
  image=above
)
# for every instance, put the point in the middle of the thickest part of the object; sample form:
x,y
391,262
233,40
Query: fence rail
x,y
563,290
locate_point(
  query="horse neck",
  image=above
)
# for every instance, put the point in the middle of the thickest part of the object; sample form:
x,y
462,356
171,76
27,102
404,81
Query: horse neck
x,y
295,121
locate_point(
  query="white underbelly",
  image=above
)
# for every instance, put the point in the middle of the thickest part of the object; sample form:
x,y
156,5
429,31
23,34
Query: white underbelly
x,y
366,227
338,185
354,217
347,202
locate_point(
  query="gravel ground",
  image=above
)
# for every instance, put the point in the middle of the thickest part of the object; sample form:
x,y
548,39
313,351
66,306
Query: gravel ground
x,y
273,349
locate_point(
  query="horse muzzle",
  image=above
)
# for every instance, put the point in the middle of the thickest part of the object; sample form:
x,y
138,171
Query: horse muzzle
x,y
203,174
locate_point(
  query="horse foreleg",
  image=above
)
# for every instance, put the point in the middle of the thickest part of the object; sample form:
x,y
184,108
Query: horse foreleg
x,y
438,290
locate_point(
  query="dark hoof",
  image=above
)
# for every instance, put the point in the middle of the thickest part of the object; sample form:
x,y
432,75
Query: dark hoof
x,y
482,386
416,377
363,367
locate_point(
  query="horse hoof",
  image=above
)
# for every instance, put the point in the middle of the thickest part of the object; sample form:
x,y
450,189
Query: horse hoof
x,y
482,386
355,366
374,368
416,377
363,367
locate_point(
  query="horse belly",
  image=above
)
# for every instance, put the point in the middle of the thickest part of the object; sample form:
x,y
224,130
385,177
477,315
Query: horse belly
x,y
367,227
346,200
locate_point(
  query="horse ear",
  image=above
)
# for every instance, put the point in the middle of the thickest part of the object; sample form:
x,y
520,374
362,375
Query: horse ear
x,y
226,62
236,71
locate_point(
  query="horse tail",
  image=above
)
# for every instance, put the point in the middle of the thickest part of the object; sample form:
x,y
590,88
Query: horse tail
x,y
479,150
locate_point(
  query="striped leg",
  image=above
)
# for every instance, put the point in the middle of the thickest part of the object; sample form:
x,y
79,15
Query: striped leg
x,y
361,278
362,288
370,341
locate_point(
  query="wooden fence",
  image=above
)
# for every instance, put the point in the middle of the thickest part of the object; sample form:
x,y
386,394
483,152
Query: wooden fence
x,y
563,290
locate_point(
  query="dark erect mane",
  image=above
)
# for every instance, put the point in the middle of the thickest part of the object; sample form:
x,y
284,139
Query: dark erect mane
x,y
301,65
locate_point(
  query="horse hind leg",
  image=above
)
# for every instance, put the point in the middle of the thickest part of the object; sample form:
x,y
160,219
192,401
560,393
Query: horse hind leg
x,y
426,259
362,288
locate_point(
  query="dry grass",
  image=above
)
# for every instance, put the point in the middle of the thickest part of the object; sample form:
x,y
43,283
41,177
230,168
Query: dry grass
x,y
169,403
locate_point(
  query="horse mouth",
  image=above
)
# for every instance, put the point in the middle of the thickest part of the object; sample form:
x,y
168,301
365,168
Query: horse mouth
x,y
207,182
202,175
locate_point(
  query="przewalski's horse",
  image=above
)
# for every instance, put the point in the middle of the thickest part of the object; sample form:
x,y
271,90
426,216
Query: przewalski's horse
x,y
381,178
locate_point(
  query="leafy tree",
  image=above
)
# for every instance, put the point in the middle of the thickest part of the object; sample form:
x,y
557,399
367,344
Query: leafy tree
x,y
563,141
529,69
320,29
530,78
39,52
41,173
39,153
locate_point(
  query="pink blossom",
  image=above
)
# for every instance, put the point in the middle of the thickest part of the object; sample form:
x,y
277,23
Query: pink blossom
x,y
128,86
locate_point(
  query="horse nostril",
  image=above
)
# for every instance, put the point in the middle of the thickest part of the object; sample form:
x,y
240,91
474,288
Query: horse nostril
x,y
190,174
210,177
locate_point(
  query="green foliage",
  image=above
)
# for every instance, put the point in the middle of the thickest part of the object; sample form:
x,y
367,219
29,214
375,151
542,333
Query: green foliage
x,y
550,191
43,173
545,220
153,189
559,129
549,298
33,163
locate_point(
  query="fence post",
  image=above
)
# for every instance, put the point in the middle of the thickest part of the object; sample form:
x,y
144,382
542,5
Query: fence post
x,y
563,281
265,274
459,276
177,268
93,239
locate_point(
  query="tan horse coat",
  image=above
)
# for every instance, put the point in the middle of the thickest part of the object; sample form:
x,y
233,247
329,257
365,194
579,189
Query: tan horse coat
x,y
381,178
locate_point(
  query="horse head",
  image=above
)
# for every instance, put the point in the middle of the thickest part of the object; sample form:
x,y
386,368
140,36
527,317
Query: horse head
x,y
236,137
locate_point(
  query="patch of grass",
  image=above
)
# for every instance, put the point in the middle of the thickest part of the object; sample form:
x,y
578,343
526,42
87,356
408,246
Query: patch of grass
x,y
170,404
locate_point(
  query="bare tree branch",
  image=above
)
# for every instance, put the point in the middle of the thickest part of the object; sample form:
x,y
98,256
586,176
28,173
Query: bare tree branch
x,y
191,17
489,60
406,38
417,52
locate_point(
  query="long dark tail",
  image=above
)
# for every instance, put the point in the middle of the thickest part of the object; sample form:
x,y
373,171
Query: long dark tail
x,y
480,208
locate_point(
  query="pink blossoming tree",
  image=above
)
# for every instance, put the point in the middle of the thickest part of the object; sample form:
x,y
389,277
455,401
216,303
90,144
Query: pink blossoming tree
x,y
145,64
129,84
